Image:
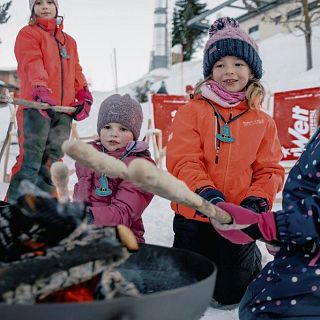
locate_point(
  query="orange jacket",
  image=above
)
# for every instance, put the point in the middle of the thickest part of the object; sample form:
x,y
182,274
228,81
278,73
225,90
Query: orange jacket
x,y
40,62
249,166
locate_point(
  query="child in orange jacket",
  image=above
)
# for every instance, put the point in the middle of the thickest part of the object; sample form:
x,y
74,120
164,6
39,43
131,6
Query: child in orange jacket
x,y
225,148
49,72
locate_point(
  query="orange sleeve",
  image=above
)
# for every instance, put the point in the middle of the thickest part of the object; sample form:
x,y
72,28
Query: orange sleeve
x,y
185,149
80,80
268,174
30,58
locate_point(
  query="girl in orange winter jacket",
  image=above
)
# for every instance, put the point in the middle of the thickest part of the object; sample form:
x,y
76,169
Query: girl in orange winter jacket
x,y
49,72
225,148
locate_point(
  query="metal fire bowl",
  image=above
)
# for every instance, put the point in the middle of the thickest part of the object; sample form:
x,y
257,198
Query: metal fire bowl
x,y
175,284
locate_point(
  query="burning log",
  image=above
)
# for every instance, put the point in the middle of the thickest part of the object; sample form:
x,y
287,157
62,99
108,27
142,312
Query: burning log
x,y
77,259
46,246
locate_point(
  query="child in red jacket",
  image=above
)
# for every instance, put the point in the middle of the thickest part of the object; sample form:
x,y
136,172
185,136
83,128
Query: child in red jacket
x,y
113,200
225,148
49,72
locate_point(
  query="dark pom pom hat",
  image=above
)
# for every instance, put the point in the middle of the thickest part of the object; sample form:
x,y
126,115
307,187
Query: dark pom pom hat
x,y
226,38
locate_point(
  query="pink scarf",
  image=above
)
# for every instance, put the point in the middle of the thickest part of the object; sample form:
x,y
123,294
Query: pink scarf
x,y
226,96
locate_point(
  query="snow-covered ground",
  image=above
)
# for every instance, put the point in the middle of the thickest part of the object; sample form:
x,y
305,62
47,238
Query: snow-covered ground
x,y
284,64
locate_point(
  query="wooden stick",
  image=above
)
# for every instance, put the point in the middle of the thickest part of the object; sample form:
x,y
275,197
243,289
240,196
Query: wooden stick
x,y
34,104
60,178
90,157
145,175
127,237
149,178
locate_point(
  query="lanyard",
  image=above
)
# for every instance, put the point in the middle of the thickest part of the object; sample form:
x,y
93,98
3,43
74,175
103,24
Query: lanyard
x,y
103,190
224,136
224,133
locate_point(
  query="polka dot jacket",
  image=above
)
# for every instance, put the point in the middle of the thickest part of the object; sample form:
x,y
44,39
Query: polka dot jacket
x,y
289,286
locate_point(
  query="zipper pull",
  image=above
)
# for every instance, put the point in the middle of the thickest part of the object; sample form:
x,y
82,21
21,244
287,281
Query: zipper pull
x,y
217,155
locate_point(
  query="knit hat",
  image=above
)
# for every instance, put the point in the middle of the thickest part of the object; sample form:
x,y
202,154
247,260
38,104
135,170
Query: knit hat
x,y
226,38
123,110
32,2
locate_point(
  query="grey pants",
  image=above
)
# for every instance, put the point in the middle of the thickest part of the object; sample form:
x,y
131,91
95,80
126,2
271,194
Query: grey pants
x,y
40,141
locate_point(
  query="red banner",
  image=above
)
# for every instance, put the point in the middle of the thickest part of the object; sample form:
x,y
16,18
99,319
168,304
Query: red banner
x,y
295,114
164,109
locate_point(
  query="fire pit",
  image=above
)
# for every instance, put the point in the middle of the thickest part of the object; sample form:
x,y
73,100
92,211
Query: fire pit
x,y
175,284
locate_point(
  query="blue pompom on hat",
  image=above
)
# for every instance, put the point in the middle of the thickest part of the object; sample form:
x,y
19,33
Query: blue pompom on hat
x,y
226,38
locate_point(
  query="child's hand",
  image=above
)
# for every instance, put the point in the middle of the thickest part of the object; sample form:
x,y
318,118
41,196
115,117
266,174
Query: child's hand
x,y
42,94
247,226
83,104
210,194
255,204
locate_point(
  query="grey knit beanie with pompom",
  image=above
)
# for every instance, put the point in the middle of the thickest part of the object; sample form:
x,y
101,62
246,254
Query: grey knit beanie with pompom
x,y
123,110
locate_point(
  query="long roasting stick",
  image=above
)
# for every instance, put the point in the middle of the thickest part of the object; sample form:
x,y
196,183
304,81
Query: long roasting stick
x,y
145,175
92,158
33,104
60,178
152,179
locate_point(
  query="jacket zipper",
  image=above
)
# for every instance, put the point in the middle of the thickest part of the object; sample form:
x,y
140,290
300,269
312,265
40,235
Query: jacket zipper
x,y
228,160
61,71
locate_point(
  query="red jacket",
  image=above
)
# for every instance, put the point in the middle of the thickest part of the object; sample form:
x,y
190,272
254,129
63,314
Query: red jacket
x,y
126,203
40,62
249,166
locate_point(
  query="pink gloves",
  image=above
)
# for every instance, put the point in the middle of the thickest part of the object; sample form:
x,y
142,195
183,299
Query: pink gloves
x,y
83,104
42,94
247,226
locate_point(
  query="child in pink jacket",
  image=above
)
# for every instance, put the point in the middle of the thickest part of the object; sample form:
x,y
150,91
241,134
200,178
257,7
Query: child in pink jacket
x,y
115,201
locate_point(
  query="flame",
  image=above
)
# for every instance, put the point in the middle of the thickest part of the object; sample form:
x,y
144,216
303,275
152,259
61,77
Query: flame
x,y
83,292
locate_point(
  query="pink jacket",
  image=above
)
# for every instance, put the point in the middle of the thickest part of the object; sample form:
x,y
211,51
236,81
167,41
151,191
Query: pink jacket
x,y
126,203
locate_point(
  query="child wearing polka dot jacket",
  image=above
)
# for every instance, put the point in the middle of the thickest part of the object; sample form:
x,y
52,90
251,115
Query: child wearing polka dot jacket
x,y
288,287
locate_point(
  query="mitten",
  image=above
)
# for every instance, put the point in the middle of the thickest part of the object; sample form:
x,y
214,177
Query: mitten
x,y
247,226
210,194
42,94
255,204
82,105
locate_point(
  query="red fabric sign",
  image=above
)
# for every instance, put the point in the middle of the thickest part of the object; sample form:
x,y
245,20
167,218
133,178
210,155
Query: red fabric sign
x,y
295,114
164,110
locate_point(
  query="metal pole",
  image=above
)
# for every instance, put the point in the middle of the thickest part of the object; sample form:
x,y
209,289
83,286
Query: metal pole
x,y
182,91
115,70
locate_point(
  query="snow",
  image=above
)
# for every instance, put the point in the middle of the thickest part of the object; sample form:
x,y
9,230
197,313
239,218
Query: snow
x,y
284,64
